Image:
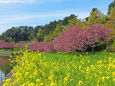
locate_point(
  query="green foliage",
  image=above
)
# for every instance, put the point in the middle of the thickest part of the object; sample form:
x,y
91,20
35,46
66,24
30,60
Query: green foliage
x,y
40,35
96,17
111,5
100,43
16,34
84,24
73,22
112,15
112,25
55,33
66,19
113,46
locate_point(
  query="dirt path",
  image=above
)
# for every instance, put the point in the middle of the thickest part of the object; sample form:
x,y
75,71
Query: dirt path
x,y
5,54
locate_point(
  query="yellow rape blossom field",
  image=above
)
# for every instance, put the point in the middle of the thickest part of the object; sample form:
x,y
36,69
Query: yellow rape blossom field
x,y
63,69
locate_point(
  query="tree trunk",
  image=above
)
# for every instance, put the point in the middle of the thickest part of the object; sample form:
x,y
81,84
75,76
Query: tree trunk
x,y
92,49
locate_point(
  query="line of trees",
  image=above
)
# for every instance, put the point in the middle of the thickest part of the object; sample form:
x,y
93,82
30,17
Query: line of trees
x,y
38,33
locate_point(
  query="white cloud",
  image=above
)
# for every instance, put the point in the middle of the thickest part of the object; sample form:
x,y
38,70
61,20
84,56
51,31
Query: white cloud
x,y
15,1
8,19
17,18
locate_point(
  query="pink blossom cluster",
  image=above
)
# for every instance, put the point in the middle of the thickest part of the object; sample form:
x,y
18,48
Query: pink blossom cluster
x,y
74,38
20,45
64,42
5,45
42,46
49,47
37,46
77,39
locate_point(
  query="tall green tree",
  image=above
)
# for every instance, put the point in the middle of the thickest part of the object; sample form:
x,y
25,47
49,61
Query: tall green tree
x,y
111,5
112,15
111,24
96,17
73,22
40,35
54,33
112,20
66,19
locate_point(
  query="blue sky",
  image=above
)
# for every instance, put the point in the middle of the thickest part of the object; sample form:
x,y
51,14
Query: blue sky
x,y
40,12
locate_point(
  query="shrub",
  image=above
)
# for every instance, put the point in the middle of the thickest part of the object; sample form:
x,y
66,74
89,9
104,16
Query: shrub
x,y
49,47
20,45
37,46
5,45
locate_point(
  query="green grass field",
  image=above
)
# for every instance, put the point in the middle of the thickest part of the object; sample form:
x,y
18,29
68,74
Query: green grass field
x,y
93,56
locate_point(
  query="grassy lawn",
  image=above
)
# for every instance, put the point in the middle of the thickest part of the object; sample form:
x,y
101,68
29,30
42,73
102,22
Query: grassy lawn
x,y
92,56
8,50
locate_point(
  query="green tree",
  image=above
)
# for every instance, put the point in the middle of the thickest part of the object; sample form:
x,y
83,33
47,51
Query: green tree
x,y
112,20
54,33
40,35
111,24
73,22
66,19
111,5
96,17
112,15
31,34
